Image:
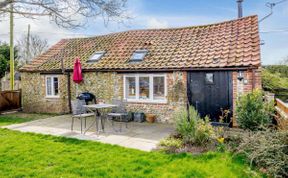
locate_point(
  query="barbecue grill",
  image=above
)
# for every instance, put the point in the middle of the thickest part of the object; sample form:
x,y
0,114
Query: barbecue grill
x,y
87,97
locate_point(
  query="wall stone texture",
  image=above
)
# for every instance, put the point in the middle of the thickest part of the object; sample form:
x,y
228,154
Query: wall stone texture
x,y
244,86
176,98
109,85
105,86
34,95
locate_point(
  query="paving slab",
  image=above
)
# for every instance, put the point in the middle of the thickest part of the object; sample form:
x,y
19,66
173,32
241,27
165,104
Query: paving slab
x,y
142,136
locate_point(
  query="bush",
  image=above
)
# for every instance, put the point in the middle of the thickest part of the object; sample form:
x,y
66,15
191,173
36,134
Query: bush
x,y
204,132
233,138
252,112
196,131
268,150
273,81
171,144
183,126
281,69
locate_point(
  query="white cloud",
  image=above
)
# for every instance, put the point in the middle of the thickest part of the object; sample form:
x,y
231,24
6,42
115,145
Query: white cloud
x,y
285,9
144,21
155,23
41,26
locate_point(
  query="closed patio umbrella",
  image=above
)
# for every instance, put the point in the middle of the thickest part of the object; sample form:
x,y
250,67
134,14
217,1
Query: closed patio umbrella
x,y
77,73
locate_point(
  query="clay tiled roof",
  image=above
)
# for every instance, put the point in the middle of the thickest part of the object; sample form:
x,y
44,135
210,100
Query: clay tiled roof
x,y
232,43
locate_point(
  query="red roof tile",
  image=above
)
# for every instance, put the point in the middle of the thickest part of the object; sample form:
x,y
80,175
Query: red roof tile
x,y
232,43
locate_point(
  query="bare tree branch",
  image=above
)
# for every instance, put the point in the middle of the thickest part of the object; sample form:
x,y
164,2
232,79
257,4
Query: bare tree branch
x,y
37,46
68,13
5,3
284,61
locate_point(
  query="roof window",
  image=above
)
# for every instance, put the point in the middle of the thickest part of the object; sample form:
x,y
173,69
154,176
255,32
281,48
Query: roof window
x,y
96,56
138,55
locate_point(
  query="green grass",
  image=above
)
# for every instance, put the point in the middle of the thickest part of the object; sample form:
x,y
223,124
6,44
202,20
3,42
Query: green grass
x,y
35,155
19,117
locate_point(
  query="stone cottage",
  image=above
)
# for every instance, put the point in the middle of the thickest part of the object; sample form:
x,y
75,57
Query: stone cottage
x,y
156,70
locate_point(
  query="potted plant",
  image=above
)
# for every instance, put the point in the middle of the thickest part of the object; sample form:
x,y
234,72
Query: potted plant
x,y
150,118
139,116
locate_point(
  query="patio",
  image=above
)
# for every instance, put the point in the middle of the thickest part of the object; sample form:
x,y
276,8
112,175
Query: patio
x,y
142,136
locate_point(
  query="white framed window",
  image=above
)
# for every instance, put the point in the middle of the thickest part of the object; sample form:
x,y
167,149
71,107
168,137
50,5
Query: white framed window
x,y
52,86
145,88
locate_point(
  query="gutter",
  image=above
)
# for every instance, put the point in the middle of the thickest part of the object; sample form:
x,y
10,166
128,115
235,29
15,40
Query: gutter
x,y
68,84
60,71
69,91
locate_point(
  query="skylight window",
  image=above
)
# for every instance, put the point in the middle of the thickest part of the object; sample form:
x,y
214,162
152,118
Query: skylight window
x,y
138,55
96,56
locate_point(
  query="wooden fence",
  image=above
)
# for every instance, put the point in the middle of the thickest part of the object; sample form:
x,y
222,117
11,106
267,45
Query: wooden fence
x,y
10,100
5,85
282,114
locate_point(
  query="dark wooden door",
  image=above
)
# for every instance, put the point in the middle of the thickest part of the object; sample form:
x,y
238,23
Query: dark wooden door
x,y
210,91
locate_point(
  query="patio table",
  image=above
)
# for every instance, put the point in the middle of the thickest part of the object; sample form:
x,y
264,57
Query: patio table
x,y
99,111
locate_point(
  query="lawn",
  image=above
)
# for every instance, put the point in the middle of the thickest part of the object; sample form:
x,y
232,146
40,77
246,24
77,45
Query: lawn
x,y
35,155
19,117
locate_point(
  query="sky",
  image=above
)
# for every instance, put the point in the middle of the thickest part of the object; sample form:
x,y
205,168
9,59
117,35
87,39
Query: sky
x,y
172,13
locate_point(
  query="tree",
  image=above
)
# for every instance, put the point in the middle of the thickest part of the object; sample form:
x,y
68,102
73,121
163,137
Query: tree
x,y
5,57
37,46
284,61
3,65
67,13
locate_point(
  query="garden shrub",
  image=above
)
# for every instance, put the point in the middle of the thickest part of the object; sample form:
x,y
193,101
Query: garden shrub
x,y
204,132
183,126
171,144
234,138
281,69
196,131
273,81
252,112
268,150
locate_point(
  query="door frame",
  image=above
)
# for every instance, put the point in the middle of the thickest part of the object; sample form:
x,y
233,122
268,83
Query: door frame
x,y
230,87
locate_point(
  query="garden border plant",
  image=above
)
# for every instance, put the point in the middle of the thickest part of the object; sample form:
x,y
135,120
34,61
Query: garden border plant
x,y
268,150
193,134
252,112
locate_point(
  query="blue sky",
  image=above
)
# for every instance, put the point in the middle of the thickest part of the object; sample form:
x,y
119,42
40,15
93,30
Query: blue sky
x,y
172,13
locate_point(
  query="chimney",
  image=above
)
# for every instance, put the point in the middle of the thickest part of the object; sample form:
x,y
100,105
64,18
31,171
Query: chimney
x,y
240,10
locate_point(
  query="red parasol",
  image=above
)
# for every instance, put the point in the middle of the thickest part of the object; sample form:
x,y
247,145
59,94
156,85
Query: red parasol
x,y
77,72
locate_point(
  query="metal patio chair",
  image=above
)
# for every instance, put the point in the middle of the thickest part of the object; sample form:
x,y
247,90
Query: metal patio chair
x,y
80,112
119,114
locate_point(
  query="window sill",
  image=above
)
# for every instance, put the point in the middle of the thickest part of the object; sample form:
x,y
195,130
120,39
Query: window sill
x,y
52,97
147,101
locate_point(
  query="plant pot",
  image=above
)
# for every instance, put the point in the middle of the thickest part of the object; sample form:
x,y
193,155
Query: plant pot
x,y
150,118
139,116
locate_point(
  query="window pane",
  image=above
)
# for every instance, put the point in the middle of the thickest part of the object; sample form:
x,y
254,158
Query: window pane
x,y
48,86
96,56
144,87
130,87
138,56
55,80
158,86
209,78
